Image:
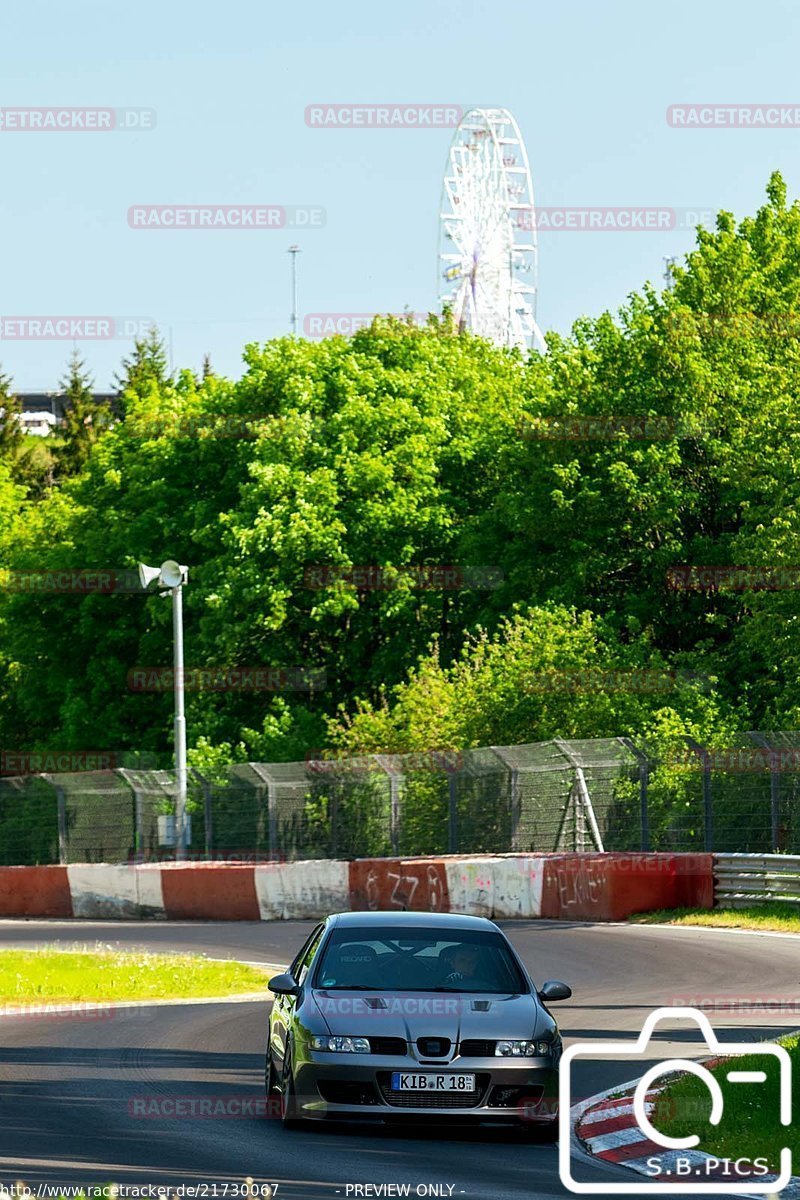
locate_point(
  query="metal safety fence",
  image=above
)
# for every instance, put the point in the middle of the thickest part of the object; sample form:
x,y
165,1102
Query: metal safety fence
x,y
745,880
610,794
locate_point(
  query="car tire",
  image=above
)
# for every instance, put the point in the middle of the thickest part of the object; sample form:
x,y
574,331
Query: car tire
x,y
288,1096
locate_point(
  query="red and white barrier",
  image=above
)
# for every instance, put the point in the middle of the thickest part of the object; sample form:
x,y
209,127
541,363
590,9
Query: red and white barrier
x,y
34,892
611,887
383,884
301,890
115,892
579,887
502,886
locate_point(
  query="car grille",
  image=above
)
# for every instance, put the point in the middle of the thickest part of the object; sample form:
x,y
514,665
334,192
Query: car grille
x,y
388,1045
345,1091
477,1048
434,1047
432,1099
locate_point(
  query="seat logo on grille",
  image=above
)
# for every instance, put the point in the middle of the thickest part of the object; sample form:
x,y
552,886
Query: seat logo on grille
x,y
435,1047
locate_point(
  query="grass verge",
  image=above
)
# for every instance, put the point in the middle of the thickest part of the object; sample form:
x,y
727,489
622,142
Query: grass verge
x,y
782,918
100,974
750,1126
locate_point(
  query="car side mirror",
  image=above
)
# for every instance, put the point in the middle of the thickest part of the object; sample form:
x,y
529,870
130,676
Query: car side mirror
x,y
284,985
553,989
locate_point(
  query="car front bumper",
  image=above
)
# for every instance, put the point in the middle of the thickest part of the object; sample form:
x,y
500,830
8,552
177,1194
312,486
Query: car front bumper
x,y
358,1086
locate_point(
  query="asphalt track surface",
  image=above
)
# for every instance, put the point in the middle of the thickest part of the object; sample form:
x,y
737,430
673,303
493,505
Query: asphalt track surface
x,y
68,1085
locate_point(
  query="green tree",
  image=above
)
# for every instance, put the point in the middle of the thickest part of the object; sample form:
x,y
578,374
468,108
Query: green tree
x,y
84,417
11,435
575,482
546,672
144,370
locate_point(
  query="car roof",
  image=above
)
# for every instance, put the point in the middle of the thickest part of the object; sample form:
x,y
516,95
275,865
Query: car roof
x,y
410,920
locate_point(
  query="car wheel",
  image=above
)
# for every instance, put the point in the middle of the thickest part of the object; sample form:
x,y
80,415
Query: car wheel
x,y
288,1109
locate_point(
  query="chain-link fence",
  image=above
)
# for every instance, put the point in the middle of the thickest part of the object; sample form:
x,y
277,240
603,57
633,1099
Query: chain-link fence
x,y
600,794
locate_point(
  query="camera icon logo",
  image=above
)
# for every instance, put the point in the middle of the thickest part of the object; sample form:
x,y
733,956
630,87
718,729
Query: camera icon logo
x,y
682,1175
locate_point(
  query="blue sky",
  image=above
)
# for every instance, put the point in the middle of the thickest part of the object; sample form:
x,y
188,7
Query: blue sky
x,y
589,84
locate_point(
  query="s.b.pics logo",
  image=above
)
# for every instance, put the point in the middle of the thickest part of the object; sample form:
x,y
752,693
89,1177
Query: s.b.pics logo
x,y
663,1141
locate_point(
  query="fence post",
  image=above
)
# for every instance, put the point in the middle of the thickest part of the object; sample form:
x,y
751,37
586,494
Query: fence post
x,y
581,803
272,806
579,818
138,826
774,789
125,774
452,824
644,782
514,796
516,808
394,813
708,804
388,764
208,813
775,802
272,821
333,814
644,803
61,806
708,799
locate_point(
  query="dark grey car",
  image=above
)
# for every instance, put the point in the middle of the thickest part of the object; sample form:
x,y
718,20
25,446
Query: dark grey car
x,y
394,1016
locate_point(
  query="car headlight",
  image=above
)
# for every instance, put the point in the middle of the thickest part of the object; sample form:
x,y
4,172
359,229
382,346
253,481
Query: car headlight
x,y
341,1045
522,1049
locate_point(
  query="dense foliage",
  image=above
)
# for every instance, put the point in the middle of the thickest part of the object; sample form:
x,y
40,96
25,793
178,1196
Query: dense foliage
x,y
549,499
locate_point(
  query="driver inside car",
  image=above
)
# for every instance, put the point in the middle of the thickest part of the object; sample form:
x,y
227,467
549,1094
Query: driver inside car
x,y
464,962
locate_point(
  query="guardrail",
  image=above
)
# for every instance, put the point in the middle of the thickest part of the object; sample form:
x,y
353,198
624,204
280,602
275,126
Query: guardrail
x,y
742,880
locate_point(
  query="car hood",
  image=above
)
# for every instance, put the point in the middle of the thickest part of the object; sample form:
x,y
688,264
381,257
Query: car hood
x,y
410,1015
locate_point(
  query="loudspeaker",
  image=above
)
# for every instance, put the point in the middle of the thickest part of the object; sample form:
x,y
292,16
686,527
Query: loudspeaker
x,y
148,575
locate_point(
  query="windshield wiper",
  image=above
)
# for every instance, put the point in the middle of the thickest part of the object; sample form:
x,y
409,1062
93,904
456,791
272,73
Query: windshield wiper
x,y
350,987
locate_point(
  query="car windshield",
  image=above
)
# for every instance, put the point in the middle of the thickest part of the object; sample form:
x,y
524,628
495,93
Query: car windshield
x,y
389,959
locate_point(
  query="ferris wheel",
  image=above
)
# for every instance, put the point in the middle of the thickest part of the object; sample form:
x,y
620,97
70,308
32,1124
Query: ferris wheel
x,y
487,233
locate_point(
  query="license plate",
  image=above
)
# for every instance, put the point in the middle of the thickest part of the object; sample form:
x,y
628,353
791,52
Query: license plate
x,y
403,1081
